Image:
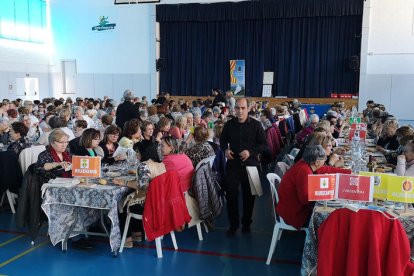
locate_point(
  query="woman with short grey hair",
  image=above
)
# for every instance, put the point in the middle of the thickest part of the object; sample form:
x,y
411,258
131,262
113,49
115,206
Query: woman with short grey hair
x,y
293,205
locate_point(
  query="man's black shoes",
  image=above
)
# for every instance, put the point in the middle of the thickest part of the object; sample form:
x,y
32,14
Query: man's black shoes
x,y
246,229
231,232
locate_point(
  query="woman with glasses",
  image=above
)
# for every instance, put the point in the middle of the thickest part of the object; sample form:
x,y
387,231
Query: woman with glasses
x,y
109,144
405,161
293,205
55,161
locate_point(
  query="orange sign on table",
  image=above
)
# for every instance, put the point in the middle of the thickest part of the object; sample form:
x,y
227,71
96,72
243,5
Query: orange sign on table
x,y
86,166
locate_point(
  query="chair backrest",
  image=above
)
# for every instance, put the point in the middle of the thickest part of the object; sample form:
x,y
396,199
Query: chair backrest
x,y
294,152
281,168
374,255
288,159
29,156
272,177
210,160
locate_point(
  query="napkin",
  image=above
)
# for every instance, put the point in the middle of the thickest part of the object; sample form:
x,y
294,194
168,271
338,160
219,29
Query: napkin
x,y
61,180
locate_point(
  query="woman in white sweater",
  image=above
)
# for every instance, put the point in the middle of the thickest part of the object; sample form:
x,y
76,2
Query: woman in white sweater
x,y
405,162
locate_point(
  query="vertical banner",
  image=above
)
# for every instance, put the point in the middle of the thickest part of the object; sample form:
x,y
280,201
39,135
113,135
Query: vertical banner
x,y
237,77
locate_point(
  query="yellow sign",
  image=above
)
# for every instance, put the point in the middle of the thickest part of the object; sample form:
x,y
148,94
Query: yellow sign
x,y
86,166
380,184
400,189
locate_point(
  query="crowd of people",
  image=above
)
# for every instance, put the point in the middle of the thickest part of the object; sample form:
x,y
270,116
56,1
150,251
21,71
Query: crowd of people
x,y
167,135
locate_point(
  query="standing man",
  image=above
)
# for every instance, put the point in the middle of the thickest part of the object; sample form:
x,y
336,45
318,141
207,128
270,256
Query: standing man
x,y
242,139
127,110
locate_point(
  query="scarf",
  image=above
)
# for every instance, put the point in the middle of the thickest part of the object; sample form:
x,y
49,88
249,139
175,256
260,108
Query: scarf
x,y
66,157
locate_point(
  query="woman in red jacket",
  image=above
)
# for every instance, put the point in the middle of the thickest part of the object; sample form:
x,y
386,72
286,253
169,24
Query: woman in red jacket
x,y
293,206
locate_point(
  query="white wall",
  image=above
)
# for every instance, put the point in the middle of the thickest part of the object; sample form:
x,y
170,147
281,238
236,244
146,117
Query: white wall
x,y
387,56
107,62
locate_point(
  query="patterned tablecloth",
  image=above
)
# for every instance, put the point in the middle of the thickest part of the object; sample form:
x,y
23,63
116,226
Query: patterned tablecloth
x,y
310,250
62,205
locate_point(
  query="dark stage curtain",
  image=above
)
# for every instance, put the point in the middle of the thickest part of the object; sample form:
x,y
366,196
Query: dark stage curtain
x,y
307,48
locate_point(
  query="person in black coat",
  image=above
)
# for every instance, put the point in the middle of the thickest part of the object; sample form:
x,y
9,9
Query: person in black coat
x,y
218,97
126,110
147,148
88,142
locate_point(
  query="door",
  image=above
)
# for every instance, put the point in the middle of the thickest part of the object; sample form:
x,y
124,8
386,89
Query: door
x,y
69,74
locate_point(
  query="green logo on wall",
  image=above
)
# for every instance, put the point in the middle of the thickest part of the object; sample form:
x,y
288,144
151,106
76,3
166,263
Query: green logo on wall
x,y
104,25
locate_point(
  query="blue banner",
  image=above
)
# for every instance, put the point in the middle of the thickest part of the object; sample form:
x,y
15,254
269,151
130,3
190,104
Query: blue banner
x,y
237,77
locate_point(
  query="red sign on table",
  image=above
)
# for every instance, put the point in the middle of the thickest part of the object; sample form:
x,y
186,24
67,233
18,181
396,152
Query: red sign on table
x,y
361,133
359,126
321,187
354,187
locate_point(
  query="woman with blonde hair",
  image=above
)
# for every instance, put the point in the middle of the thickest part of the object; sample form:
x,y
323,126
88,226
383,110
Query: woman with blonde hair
x,y
180,128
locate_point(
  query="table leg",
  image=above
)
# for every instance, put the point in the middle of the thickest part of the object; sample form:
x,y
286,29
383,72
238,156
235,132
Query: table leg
x,y
65,241
103,223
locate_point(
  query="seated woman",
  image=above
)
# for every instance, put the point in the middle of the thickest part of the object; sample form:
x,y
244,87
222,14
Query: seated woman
x,y
405,161
175,161
293,205
147,148
88,143
132,130
162,129
109,144
79,128
388,143
180,129
55,161
202,149
18,132
4,131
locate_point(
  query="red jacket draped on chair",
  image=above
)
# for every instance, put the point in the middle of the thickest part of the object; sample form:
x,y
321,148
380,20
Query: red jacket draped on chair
x,y
363,243
165,208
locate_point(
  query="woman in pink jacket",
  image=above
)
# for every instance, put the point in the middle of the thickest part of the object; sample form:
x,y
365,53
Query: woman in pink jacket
x,y
175,161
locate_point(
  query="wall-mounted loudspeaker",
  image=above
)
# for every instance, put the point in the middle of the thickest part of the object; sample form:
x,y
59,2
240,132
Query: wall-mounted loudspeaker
x,y
353,63
161,64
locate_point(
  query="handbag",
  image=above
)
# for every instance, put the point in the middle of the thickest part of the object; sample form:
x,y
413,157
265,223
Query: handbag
x,y
254,180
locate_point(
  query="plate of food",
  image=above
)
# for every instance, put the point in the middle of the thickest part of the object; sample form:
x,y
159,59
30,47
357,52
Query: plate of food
x,y
383,169
113,174
332,203
126,178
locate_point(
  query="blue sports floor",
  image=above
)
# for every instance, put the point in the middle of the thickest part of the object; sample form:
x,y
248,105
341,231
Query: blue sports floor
x,y
215,255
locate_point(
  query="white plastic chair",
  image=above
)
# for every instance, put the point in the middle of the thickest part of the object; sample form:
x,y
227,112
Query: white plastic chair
x,y
29,156
157,240
193,209
10,198
288,159
281,168
280,224
294,152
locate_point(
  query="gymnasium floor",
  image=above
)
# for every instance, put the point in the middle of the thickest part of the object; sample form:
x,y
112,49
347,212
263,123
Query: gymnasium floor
x,y
215,255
